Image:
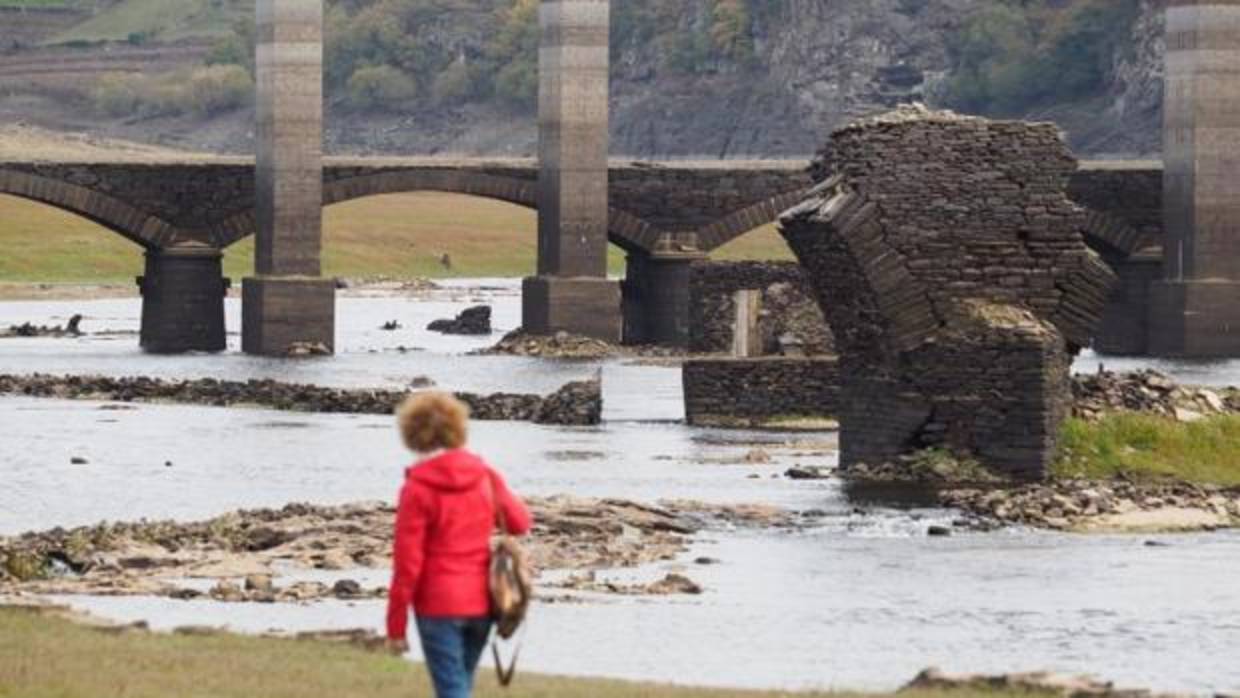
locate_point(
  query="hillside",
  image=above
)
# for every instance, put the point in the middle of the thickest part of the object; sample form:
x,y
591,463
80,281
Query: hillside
x,y
721,78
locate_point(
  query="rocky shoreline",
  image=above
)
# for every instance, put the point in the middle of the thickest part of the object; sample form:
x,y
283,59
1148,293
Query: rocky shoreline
x,y
240,556
575,404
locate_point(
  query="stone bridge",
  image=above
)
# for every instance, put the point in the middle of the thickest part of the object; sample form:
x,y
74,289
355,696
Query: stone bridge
x,y
210,202
665,215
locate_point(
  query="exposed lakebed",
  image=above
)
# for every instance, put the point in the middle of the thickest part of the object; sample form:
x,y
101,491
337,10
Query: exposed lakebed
x,y
861,599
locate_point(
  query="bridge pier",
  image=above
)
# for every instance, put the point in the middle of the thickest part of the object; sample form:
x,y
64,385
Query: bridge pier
x,y
657,296
571,292
1195,309
287,302
183,291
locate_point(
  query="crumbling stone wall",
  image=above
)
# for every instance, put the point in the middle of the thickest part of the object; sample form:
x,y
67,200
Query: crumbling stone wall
x,y
951,265
737,392
789,306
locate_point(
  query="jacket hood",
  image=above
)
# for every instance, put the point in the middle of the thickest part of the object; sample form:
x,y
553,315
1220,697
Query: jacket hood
x,y
453,471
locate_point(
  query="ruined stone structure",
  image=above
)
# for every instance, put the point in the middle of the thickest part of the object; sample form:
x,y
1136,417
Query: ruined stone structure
x,y
789,307
739,392
1196,307
952,268
288,302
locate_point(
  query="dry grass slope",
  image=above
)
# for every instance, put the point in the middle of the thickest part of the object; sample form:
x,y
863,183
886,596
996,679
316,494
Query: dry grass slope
x,y
396,235
45,657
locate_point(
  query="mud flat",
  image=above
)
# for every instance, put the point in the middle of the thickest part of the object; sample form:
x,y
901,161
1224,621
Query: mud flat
x,y
243,553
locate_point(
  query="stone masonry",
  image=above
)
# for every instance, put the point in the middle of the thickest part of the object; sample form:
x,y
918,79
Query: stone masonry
x,y
952,268
1195,310
789,306
287,302
571,291
744,392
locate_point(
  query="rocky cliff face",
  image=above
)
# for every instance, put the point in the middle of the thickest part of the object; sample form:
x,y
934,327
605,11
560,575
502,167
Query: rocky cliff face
x,y
813,65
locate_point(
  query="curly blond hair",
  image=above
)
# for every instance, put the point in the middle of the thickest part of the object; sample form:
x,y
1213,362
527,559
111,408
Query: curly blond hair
x,y
432,420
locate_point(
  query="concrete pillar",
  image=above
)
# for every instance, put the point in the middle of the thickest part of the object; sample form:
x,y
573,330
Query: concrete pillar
x,y
657,297
287,301
571,292
1195,310
746,332
183,292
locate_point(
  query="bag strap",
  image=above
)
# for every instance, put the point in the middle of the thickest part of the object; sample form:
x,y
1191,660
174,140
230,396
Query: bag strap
x,y
505,676
501,519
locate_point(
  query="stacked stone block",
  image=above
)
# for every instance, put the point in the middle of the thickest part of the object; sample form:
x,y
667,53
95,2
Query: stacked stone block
x,y
287,303
739,391
789,306
571,291
1196,308
952,268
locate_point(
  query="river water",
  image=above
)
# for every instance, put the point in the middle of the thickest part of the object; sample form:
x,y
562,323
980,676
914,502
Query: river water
x,y
863,601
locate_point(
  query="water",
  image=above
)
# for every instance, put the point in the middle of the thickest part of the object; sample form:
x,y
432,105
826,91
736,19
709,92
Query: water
x,y
864,601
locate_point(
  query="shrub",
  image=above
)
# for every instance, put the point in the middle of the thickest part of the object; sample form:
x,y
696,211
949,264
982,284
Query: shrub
x,y
218,88
458,83
118,94
380,87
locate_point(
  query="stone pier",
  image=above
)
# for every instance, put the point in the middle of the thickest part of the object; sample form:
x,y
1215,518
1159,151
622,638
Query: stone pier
x,y
950,263
287,301
1195,309
183,290
571,291
657,296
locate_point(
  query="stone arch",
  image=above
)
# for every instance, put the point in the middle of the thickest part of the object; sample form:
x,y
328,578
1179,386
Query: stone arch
x,y
738,223
869,297
121,218
627,231
1113,237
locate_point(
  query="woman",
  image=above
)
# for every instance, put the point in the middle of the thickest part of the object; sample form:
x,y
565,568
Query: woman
x,y
444,520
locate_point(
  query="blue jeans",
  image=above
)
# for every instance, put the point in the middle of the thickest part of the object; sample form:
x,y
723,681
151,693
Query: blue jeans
x,y
453,647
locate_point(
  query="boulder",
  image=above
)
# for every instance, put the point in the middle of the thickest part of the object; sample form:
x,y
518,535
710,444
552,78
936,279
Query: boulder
x,y
471,321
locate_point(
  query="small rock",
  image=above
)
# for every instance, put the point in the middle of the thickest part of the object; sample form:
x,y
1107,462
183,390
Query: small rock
x,y
390,326
78,460
675,584
706,561
1187,415
938,531
346,589
421,383
259,583
807,473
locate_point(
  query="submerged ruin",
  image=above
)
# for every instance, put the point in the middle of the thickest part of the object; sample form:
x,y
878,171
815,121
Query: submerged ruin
x,y
950,263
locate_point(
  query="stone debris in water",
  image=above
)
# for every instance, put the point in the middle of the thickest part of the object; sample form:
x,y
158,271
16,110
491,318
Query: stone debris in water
x,y
471,321
239,551
1033,683
71,329
562,345
576,404
1104,506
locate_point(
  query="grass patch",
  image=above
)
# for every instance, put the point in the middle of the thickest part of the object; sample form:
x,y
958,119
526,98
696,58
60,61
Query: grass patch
x,y
394,235
1151,447
48,657
165,20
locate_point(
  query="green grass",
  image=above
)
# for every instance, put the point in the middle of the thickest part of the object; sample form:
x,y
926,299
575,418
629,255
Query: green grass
x,y
395,235
48,657
165,20
1151,447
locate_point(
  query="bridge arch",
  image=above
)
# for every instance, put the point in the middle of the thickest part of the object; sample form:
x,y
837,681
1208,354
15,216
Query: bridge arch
x,y
121,218
739,223
1115,238
626,231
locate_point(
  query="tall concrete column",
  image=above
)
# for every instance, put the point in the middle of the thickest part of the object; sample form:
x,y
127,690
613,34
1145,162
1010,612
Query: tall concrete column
x,y
571,292
183,292
1195,310
287,301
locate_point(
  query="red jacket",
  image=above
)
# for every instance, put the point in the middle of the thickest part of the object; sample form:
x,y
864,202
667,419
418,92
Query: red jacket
x,y
442,553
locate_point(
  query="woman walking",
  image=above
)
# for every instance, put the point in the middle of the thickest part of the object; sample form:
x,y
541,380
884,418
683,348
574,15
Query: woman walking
x,y
446,514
